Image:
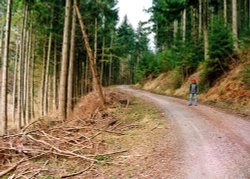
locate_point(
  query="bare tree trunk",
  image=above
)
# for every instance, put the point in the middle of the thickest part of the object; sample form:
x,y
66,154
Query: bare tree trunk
x,y
91,57
26,78
3,110
95,49
102,59
19,86
55,106
1,45
71,66
184,17
225,11
111,59
25,103
20,100
200,18
86,74
29,54
45,95
33,42
235,23
175,30
43,81
64,64
24,58
14,84
205,28
82,77
49,99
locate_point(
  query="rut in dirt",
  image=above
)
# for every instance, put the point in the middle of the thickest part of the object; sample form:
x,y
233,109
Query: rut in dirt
x,y
212,143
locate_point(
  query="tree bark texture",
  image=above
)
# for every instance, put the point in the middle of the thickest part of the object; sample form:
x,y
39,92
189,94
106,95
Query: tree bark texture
x,y
110,59
43,81
235,23
225,11
184,19
64,64
91,57
205,28
71,66
21,70
32,78
55,104
3,110
200,18
15,84
45,95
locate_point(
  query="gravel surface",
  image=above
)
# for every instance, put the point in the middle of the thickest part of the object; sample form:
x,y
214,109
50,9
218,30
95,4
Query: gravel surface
x,y
210,142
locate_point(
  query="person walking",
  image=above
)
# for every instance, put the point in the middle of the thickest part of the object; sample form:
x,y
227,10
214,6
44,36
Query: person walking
x,y
193,91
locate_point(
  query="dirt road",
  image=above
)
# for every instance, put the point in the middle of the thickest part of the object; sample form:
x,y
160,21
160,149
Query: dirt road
x,y
211,143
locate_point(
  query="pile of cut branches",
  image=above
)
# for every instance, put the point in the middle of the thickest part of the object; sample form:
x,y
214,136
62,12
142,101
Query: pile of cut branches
x,y
50,147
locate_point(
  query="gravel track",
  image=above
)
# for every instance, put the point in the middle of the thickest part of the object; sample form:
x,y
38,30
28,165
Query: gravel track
x,y
212,143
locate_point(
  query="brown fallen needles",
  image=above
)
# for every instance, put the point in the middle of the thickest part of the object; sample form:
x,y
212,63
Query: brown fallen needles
x,y
50,147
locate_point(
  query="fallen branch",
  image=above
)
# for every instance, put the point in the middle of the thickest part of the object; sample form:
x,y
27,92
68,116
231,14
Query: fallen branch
x,y
78,173
12,167
30,124
18,163
61,151
155,127
110,153
41,169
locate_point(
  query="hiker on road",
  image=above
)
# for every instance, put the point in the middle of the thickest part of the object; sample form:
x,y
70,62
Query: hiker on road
x,y
193,91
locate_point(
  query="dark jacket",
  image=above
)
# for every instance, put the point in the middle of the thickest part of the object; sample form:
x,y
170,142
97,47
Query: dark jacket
x,y
193,89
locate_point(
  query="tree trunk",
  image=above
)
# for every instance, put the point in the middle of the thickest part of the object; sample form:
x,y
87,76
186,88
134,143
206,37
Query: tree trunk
x,y
55,106
71,66
86,84
32,79
225,11
45,107
3,110
27,77
102,59
184,17
205,28
175,30
111,59
25,58
20,105
200,18
91,57
64,64
19,86
1,45
14,85
82,78
49,99
95,49
234,23
43,81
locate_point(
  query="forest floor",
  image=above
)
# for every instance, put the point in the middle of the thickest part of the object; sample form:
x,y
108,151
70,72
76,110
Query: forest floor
x,y
123,140
139,135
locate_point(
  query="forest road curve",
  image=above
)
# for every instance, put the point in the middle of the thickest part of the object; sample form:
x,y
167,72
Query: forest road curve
x,y
213,144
